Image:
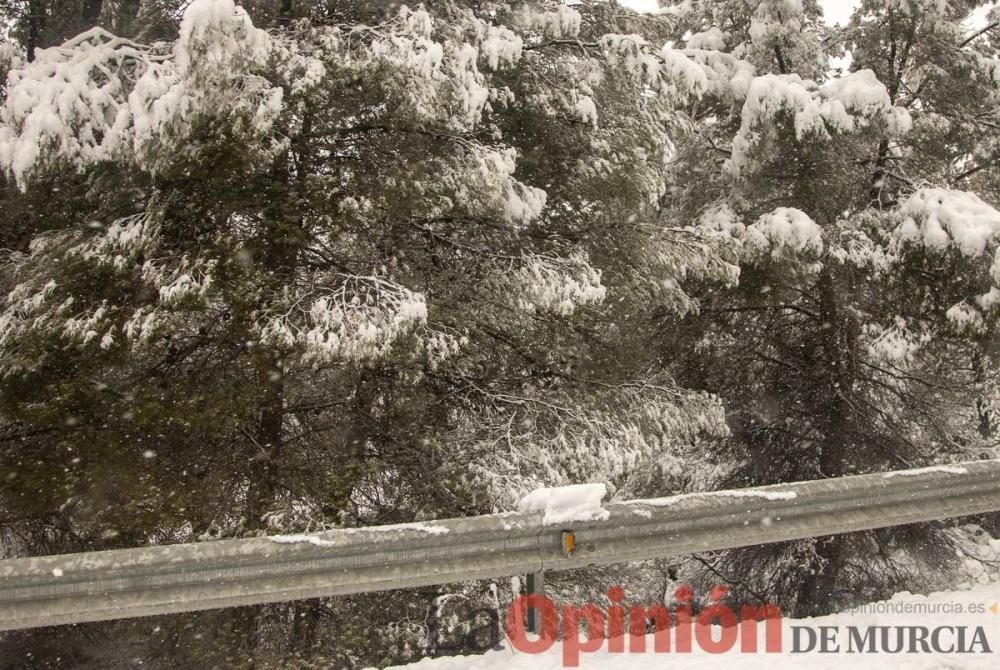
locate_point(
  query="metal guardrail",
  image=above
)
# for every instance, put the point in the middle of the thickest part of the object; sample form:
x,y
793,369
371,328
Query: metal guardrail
x,y
97,586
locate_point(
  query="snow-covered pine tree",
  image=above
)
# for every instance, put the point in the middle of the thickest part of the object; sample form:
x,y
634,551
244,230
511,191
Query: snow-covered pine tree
x,y
374,263
859,336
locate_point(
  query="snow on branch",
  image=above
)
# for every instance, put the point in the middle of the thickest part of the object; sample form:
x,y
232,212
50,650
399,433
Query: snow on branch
x,y
62,107
668,71
357,321
215,76
561,23
896,344
785,233
40,308
842,105
672,256
519,440
558,285
940,218
438,77
99,97
786,230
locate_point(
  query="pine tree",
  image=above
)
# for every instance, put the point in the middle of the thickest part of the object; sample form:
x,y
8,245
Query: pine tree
x,y
303,273
859,337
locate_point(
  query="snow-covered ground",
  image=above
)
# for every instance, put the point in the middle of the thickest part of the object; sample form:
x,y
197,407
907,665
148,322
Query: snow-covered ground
x,y
977,607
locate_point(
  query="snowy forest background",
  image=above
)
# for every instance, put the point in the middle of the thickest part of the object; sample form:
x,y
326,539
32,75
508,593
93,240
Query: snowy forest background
x,y
308,264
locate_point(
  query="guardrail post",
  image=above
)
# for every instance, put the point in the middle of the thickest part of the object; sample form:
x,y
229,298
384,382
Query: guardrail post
x,y
536,585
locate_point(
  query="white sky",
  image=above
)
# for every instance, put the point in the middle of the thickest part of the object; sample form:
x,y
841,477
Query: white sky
x,y
838,11
834,11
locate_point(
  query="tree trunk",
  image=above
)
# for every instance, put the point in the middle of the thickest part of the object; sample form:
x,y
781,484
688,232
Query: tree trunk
x,y
835,457
279,252
305,629
263,482
91,14
838,342
815,595
36,24
286,9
